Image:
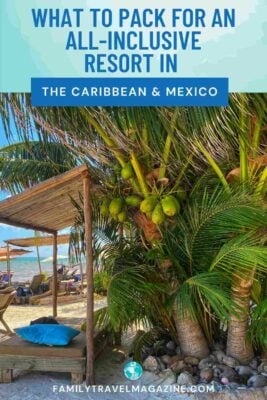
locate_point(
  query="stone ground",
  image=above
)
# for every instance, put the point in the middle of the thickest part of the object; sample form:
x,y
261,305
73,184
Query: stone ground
x,y
109,367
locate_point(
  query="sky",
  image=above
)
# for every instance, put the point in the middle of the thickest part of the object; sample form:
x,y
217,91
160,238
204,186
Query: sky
x,y
10,232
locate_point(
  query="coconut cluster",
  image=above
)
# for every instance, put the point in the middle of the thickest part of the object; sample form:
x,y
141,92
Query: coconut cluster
x,y
154,207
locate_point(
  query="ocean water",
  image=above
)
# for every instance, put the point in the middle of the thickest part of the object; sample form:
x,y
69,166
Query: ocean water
x,y
24,268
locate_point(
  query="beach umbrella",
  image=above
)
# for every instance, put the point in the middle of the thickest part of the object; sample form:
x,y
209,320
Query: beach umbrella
x,y
4,258
4,252
8,253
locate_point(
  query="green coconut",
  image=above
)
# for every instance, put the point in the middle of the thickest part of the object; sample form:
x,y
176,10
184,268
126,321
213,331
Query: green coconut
x,y
170,205
148,204
115,206
158,216
104,208
122,216
133,201
181,194
127,171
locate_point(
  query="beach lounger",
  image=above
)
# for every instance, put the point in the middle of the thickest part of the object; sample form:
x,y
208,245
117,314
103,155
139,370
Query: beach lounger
x,y
71,272
6,297
4,279
34,287
16,353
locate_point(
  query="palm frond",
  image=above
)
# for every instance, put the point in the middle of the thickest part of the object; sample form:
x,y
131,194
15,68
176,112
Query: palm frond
x,y
215,219
203,290
241,255
258,327
131,295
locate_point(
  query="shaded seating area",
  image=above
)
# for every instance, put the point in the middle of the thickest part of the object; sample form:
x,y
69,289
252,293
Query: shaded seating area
x,y
48,207
6,297
69,278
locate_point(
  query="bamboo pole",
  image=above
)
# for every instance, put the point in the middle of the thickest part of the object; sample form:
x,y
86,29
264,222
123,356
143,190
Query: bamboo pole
x,y
90,379
8,265
81,273
54,289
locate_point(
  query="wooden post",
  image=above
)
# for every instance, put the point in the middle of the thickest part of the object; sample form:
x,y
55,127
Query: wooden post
x,y
8,264
90,379
81,273
54,289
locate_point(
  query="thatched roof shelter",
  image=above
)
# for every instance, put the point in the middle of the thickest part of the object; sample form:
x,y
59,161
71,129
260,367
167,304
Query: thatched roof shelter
x,y
48,207
39,241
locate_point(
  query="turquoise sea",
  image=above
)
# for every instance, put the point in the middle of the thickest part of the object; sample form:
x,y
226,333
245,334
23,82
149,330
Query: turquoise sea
x,y
24,268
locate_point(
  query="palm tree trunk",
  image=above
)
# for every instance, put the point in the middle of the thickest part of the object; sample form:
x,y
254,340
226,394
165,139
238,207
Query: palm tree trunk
x,y
238,345
191,337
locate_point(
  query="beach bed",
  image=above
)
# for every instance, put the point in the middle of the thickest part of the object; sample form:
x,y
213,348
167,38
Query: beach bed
x,y
16,353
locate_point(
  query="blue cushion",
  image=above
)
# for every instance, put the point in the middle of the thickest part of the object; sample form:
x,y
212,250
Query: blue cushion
x,y
48,334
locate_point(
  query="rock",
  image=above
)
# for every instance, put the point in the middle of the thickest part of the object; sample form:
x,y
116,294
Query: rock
x,y
207,362
224,359
224,371
263,366
151,364
185,378
254,364
178,366
176,358
245,370
219,354
206,375
178,350
171,345
166,359
191,360
229,361
167,376
170,352
224,380
117,356
257,381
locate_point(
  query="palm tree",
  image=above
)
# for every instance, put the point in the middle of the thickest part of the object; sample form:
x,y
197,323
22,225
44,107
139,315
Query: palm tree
x,y
167,149
25,163
215,240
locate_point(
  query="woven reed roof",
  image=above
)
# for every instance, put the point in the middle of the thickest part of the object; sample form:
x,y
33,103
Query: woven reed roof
x,y
39,241
47,206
